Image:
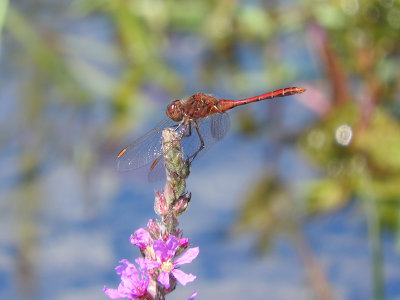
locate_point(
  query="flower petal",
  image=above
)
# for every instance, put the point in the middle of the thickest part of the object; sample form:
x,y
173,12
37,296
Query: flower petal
x,y
194,294
187,257
182,277
183,242
172,243
133,285
112,293
165,250
146,264
163,278
160,250
141,238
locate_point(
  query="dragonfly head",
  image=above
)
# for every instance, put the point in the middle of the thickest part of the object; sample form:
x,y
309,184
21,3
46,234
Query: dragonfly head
x,y
174,111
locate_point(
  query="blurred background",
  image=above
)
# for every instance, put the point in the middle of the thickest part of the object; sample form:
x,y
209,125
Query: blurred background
x,y
299,201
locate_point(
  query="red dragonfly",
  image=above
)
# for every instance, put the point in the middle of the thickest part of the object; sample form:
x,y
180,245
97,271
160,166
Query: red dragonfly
x,y
204,112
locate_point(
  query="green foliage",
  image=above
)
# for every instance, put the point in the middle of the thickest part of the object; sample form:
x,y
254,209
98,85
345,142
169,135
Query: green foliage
x,y
372,156
380,142
357,44
326,195
3,11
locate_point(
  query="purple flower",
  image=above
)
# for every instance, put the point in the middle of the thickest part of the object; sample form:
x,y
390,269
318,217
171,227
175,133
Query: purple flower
x,y
141,238
153,227
134,282
165,252
183,242
194,294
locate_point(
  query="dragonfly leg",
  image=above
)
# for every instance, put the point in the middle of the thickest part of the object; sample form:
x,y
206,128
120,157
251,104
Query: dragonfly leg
x,y
179,126
186,132
185,129
199,134
193,156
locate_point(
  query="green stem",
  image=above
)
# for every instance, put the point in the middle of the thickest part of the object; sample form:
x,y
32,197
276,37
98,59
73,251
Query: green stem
x,y
376,249
375,239
176,167
177,170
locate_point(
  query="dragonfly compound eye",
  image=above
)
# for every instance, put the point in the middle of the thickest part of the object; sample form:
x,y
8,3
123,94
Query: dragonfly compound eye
x,y
174,111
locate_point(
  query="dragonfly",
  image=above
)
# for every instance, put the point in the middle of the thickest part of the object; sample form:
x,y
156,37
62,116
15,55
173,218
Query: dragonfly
x,y
203,113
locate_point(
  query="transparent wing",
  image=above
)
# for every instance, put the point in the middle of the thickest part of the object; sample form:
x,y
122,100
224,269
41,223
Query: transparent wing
x,y
144,150
147,149
220,124
212,129
157,173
